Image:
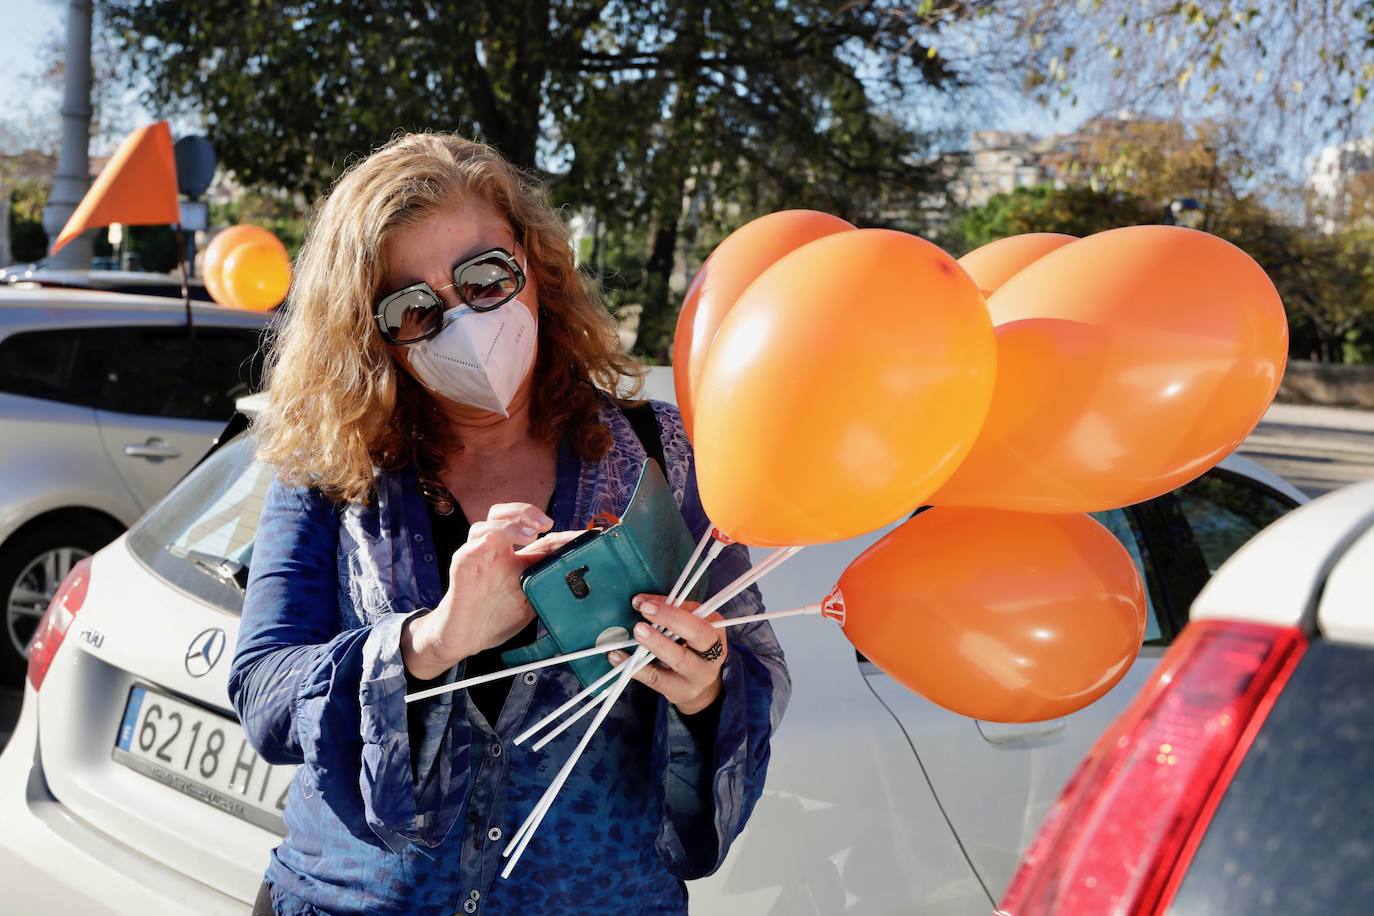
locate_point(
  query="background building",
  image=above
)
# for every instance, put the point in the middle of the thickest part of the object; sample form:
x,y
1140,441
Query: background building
x,y
1340,183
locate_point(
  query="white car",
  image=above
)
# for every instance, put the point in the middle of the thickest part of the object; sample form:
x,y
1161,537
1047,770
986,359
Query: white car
x,y
1239,781
128,786
105,403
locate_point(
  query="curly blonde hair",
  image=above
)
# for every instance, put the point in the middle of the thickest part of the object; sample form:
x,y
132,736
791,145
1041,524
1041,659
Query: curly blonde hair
x,y
339,404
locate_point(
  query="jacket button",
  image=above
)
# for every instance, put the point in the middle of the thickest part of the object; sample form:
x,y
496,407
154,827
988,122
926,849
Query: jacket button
x,y
494,834
476,894
429,558
496,750
419,538
531,677
469,906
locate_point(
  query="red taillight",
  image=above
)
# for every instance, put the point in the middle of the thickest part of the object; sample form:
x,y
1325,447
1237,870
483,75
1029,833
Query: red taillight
x,y
1138,805
53,627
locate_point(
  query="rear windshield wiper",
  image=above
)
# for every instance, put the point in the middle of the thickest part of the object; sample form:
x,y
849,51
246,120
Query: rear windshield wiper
x,y
222,568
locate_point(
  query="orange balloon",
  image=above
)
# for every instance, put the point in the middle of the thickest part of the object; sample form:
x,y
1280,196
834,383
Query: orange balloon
x,y
1129,363
682,349
844,387
997,262
1163,277
1001,616
214,285
225,241
256,276
734,264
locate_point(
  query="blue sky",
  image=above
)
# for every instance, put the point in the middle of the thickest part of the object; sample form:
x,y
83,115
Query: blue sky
x,y
28,27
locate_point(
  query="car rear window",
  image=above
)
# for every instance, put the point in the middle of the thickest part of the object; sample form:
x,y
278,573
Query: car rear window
x,y
199,538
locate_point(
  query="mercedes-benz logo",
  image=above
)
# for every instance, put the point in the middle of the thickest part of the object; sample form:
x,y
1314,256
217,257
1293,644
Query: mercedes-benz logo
x,y
204,651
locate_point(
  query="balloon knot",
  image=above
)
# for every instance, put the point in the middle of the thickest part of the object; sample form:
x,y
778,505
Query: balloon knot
x,y
722,537
833,606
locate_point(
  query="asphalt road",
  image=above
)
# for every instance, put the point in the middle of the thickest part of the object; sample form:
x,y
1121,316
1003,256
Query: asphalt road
x,y
1318,449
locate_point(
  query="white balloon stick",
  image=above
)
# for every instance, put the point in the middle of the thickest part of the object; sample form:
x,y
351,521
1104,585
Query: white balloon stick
x,y
594,650
677,595
696,555
719,624
531,824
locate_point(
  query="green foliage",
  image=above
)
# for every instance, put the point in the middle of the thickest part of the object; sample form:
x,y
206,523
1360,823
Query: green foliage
x,y
627,105
1077,210
154,246
28,240
1327,283
281,214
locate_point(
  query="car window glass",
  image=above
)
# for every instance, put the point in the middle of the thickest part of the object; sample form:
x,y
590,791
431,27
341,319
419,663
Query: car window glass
x,y
199,537
163,372
229,366
1122,524
1224,512
58,365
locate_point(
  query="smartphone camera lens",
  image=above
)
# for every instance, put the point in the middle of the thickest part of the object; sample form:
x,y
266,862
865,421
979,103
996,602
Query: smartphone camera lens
x,y
577,583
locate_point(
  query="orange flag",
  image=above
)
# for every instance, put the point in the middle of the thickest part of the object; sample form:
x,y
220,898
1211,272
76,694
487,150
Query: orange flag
x,y
138,187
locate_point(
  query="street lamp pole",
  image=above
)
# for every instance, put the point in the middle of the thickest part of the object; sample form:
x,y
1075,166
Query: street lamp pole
x,y
73,160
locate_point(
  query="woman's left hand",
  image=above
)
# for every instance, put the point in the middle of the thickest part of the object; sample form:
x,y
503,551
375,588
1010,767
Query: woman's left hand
x,y
688,681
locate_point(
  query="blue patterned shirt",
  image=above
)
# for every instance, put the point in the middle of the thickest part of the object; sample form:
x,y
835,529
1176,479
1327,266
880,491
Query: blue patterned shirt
x,y
386,818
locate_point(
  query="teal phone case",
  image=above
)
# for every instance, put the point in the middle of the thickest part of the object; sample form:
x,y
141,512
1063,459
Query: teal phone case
x,y
582,593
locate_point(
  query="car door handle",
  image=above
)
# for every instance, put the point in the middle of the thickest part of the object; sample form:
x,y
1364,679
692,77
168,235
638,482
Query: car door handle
x,y
1030,734
154,449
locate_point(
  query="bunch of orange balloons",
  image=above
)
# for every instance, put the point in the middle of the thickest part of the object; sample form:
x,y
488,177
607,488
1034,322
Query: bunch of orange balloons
x,y
834,379
247,267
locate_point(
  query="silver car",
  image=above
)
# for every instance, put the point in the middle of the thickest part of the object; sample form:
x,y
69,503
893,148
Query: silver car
x,y
133,282
106,401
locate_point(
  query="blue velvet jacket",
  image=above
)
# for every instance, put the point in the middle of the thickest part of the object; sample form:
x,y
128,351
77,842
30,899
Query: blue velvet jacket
x,y
377,824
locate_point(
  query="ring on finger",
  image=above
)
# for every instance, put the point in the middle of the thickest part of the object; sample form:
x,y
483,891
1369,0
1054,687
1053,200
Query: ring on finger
x,y
714,653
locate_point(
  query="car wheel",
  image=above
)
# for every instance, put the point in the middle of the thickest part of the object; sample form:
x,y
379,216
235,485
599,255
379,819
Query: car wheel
x,y
32,565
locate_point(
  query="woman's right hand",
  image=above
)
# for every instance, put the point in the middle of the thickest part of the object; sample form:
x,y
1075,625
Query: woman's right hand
x,y
484,605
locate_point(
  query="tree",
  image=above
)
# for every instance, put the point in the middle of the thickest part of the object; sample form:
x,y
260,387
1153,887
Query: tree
x,y
280,213
1284,68
1077,210
1327,284
630,107
28,240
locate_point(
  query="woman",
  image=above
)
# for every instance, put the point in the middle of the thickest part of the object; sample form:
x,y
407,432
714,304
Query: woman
x,y
443,361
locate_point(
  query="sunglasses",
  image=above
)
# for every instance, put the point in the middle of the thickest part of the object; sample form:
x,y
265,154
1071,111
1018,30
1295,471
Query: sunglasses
x,y
484,283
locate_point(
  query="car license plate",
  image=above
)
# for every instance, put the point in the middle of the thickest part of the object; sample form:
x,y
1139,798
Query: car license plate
x,y
203,755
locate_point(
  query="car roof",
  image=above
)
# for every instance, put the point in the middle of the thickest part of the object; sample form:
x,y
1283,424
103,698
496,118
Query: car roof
x,y
1239,464
90,277
1279,575
24,296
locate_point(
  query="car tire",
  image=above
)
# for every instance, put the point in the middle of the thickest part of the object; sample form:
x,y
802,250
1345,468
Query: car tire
x,y
29,559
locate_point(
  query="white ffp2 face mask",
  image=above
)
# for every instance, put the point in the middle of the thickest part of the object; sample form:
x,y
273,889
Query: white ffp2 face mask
x,y
478,358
